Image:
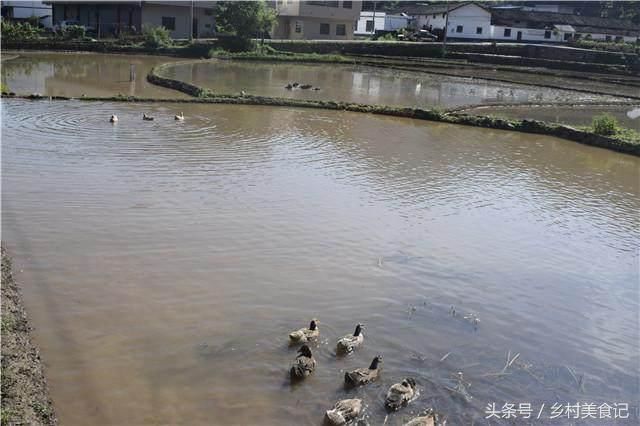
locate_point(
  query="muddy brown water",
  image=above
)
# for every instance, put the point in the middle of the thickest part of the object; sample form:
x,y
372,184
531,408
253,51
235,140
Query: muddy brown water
x,y
163,263
363,84
77,74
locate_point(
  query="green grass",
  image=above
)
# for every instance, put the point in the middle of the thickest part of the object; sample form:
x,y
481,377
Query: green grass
x,y
267,53
607,125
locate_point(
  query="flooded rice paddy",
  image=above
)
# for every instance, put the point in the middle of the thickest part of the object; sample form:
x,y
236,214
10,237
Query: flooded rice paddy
x,y
89,74
163,263
166,262
362,84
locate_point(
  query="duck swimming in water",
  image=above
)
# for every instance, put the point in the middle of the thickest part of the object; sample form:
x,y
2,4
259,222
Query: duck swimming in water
x,y
344,411
303,365
179,117
296,84
400,394
362,376
289,86
146,117
351,341
306,86
306,334
431,418
113,119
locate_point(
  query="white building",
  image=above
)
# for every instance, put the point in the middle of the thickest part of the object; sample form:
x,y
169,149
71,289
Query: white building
x,y
323,20
25,10
474,21
370,22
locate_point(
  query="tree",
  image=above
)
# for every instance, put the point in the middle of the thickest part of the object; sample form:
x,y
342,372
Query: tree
x,y
245,19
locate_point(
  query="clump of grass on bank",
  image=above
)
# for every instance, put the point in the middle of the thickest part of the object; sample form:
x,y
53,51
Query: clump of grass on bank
x,y
607,125
25,398
268,53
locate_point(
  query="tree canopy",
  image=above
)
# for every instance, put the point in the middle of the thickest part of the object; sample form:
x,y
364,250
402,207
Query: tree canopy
x,y
244,19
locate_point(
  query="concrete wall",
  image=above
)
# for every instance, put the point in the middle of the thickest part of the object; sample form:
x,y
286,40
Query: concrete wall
x,y
152,14
469,18
528,34
310,16
383,22
310,28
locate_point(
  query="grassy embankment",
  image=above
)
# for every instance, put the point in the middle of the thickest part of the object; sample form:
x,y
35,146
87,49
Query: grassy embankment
x,y
25,398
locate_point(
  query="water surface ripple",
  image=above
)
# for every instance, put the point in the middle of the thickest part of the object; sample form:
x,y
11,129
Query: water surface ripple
x,y
165,262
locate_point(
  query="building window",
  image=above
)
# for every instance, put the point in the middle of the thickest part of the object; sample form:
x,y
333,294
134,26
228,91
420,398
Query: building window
x,y
567,36
341,29
547,34
459,29
369,27
607,38
444,14
169,23
324,29
208,12
347,4
618,39
479,30
507,32
434,16
298,27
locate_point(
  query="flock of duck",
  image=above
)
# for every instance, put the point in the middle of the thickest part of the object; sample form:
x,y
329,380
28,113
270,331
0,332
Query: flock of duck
x,y
296,85
347,410
145,117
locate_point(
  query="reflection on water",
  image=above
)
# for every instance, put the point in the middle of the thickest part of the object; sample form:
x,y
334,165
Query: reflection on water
x,y
165,262
75,74
579,116
362,84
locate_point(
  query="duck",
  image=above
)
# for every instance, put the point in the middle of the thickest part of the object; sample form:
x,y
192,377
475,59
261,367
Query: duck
x,y
344,411
179,117
431,418
296,84
243,93
303,365
400,394
113,119
146,117
362,376
351,341
306,86
305,334
289,86
316,88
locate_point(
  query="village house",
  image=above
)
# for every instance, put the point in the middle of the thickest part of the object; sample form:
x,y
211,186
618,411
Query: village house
x,y
528,25
324,20
27,11
181,18
370,22
474,21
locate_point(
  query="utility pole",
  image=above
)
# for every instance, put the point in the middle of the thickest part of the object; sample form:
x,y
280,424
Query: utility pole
x,y
191,25
446,30
374,18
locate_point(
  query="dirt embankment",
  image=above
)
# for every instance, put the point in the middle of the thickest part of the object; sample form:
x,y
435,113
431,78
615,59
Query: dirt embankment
x,y
25,396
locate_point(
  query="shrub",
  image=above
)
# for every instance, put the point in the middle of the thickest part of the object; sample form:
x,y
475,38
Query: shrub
x,y
72,32
604,124
236,44
155,37
18,31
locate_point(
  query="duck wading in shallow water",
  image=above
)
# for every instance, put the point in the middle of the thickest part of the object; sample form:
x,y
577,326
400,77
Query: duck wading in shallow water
x,y
344,411
362,376
179,117
351,341
146,117
305,334
113,119
400,394
303,365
